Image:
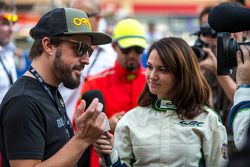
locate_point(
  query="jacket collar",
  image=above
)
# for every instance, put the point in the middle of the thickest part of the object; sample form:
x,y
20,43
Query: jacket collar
x,y
125,74
163,105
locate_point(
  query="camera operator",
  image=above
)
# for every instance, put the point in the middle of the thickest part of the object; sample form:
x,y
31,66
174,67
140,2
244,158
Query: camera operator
x,y
240,112
237,55
222,87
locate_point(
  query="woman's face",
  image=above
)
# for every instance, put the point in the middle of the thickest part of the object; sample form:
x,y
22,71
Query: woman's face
x,y
159,80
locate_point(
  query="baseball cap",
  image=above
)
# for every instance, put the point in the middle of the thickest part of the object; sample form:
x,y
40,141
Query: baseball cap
x,y
128,33
67,21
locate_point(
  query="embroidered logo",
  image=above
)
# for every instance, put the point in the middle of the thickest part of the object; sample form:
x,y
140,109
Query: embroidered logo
x,y
190,123
79,21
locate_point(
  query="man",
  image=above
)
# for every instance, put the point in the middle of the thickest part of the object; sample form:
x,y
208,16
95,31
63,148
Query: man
x,y
121,84
240,112
7,49
222,86
35,129
239,116
102,58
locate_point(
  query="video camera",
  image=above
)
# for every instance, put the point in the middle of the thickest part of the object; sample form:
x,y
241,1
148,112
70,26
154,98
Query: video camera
x,y
199,44
226,19
226,53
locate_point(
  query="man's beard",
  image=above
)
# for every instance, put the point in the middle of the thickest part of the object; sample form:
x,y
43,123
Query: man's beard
x,y
64,72
132,66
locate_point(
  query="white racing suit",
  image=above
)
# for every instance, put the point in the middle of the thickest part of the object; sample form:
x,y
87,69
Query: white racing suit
x,y
146,137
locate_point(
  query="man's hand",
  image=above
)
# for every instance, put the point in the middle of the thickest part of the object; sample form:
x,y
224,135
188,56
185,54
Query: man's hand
x,y
210,63
243,65
91,123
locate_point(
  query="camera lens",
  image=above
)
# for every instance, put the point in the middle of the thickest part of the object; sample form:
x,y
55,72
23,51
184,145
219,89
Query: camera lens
x,y
198,49
199,52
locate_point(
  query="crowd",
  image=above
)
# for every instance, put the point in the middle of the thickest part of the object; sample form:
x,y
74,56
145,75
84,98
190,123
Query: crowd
x,y
165,104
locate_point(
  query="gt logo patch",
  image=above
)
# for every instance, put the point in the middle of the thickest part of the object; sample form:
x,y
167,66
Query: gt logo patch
x,y
190,123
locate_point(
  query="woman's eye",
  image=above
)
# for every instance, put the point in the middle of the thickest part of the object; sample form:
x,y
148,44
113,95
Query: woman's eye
x,y
163,70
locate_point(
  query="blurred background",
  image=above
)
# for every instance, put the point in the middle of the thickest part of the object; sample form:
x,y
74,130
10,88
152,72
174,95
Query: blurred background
x,y
167,17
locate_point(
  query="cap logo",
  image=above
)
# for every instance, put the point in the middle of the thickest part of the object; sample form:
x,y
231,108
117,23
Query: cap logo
x,y
79,21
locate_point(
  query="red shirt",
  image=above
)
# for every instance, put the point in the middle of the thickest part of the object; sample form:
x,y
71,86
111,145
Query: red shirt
x,y
120,89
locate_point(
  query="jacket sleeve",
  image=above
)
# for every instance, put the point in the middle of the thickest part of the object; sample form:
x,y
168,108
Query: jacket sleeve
x,y
215,145
239,116
122,154
123,143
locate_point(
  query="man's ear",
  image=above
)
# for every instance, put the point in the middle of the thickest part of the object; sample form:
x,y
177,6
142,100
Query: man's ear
x,y
47,46
114,45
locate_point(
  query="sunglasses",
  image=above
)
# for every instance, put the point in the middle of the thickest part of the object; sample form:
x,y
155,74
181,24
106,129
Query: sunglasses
x,y
6,18
82,47
137,49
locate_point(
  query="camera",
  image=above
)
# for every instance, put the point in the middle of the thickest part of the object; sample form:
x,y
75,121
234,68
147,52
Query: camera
x,y
206,31
226,52
198,49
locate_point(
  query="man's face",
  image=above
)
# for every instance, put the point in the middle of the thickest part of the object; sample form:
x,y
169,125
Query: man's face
x,y
6,31
68,65
211,41
130,57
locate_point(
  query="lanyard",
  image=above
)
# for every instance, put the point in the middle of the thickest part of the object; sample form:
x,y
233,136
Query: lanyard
x,y
58,101
94,61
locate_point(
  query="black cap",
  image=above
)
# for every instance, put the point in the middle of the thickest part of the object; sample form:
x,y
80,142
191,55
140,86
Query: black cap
x,y
67,21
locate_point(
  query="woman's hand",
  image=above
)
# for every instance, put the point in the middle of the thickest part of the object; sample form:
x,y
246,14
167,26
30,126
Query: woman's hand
x,y
104,144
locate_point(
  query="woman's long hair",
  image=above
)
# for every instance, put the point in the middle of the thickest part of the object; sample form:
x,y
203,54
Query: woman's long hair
x,y
191,91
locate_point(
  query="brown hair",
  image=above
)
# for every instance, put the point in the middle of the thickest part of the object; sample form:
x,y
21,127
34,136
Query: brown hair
x,y
37,48
191,89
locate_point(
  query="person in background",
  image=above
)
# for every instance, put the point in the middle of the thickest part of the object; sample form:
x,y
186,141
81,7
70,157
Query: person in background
x,y
222,86
172,126
102,58
34,127
122,84
152,34
239,116
7,49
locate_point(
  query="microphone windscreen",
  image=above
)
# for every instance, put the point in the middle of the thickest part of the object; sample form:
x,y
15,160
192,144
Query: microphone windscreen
x,y
90,95
229,18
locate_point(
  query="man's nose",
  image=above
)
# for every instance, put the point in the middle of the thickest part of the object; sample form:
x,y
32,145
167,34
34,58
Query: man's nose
x,y
85,59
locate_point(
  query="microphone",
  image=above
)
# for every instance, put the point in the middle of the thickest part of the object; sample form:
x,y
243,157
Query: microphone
x,y
229,18
88,97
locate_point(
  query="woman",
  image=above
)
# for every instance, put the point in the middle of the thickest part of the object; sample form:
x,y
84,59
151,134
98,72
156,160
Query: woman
x,y
172,126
